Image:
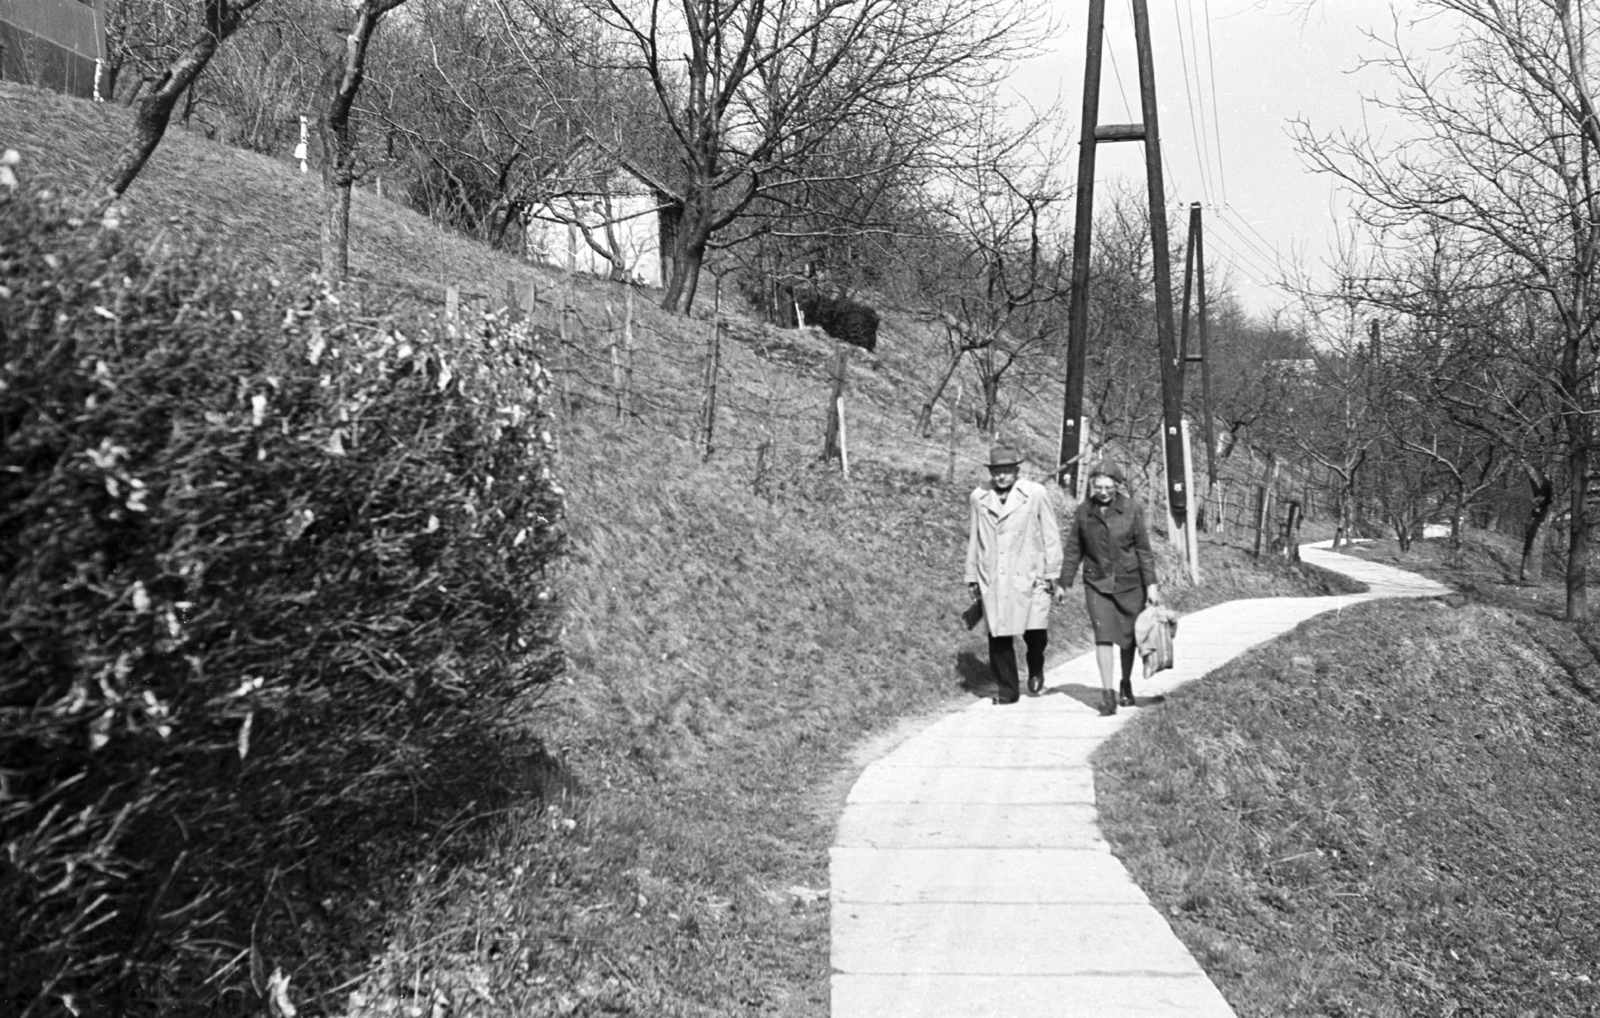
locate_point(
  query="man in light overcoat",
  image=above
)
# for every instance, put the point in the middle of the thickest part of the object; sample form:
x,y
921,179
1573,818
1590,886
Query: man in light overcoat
x,y
1013,560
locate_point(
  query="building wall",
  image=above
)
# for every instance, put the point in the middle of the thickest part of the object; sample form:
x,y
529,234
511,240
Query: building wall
x,y
51,43
627,218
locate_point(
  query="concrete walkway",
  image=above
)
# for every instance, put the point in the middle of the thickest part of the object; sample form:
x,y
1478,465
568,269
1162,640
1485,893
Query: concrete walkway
x,y
969,877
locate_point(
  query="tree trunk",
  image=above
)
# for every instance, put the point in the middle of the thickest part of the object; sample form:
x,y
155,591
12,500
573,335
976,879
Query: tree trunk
x,y
1544,497
339,168
108,81
1578,546
925,419
693,259
1341,533
1403,532
689,254
336,233
221,19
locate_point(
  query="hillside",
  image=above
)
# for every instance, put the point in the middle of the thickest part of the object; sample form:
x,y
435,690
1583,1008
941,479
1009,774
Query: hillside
x,y
737,623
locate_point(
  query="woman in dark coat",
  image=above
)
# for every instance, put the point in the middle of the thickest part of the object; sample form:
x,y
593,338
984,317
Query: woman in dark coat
x,y
1119,576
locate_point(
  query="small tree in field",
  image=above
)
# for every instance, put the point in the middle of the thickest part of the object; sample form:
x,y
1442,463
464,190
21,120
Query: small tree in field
x,y
1001,296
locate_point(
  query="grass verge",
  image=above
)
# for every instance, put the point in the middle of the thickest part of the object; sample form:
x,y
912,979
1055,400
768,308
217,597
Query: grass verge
x,y
1384,812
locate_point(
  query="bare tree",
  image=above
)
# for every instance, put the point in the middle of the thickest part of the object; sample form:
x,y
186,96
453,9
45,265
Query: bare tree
x,y
1002,295
216,21
498,108
255,91
751,89
1122,391
1505,152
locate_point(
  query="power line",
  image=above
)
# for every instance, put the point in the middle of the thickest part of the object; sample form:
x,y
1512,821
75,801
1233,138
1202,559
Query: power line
x,y
1240,245
1188,92
1248,245
1266,248
1216,111
1253,230
1199,87
1127,109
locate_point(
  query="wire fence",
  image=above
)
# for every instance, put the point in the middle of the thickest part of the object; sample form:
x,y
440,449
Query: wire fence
x,y
766,401
769,401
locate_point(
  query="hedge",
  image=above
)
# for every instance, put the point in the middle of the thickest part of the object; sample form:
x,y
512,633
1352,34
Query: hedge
x,y
274,572
844,319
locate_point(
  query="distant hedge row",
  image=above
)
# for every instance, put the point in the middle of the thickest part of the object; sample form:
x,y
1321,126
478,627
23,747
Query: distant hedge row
x,y
272,566
844,319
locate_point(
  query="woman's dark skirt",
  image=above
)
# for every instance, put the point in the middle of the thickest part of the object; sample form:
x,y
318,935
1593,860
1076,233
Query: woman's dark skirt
x,y
1112,615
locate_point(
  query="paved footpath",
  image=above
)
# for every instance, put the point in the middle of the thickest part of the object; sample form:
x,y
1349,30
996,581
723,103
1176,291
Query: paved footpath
x,y
969,877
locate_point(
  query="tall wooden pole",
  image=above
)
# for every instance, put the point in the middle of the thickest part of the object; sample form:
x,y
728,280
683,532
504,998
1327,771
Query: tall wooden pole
x,y
1171,367
1078,324
1191,533
1184,356
1208,426
1195,273
1068,460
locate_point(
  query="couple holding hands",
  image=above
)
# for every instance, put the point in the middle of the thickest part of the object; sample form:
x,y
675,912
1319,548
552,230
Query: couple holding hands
x,y
1018,564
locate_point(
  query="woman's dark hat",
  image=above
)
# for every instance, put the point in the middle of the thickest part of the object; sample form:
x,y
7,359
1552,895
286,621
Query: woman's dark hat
x,y
1107,469
1003,455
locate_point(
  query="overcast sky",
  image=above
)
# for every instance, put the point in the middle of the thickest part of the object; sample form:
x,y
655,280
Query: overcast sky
x,y
1230,76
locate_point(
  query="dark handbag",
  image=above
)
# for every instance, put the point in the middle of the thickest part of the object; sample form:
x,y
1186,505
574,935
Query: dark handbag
x,y
974,613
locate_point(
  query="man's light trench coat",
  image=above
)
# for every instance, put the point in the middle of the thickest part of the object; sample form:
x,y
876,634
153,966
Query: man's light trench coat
x,y
1013,548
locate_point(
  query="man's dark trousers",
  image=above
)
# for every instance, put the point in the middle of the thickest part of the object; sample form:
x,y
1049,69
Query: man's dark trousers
x,y
1003,661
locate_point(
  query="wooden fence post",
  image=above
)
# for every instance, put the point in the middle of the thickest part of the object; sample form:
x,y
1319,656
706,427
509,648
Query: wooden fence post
x,y
627,351
955,410
452,302
760,484
616,362
1291,533
708,409
1264,504
513,306
844,444
830,443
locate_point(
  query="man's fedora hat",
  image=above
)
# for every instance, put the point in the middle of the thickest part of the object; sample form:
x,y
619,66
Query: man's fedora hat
x,y
1003,455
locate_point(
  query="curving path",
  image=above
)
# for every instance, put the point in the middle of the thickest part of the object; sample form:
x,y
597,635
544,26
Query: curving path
x,y
969,877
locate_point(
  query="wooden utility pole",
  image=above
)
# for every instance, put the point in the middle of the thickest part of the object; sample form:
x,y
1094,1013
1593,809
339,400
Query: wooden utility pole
x,y
1067,461
1191,535
1194,276
1078,309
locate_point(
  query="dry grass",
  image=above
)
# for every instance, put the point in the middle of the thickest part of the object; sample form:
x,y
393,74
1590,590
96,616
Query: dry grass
x,y
1383,813
732,634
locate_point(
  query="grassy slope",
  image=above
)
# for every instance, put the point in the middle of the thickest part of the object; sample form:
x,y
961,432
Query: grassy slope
x,y
1386,813
727,649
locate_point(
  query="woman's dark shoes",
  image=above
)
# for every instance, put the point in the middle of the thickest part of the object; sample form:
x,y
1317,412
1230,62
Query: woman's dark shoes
x,y
1125,697
1001,703
1035,685
1108,703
